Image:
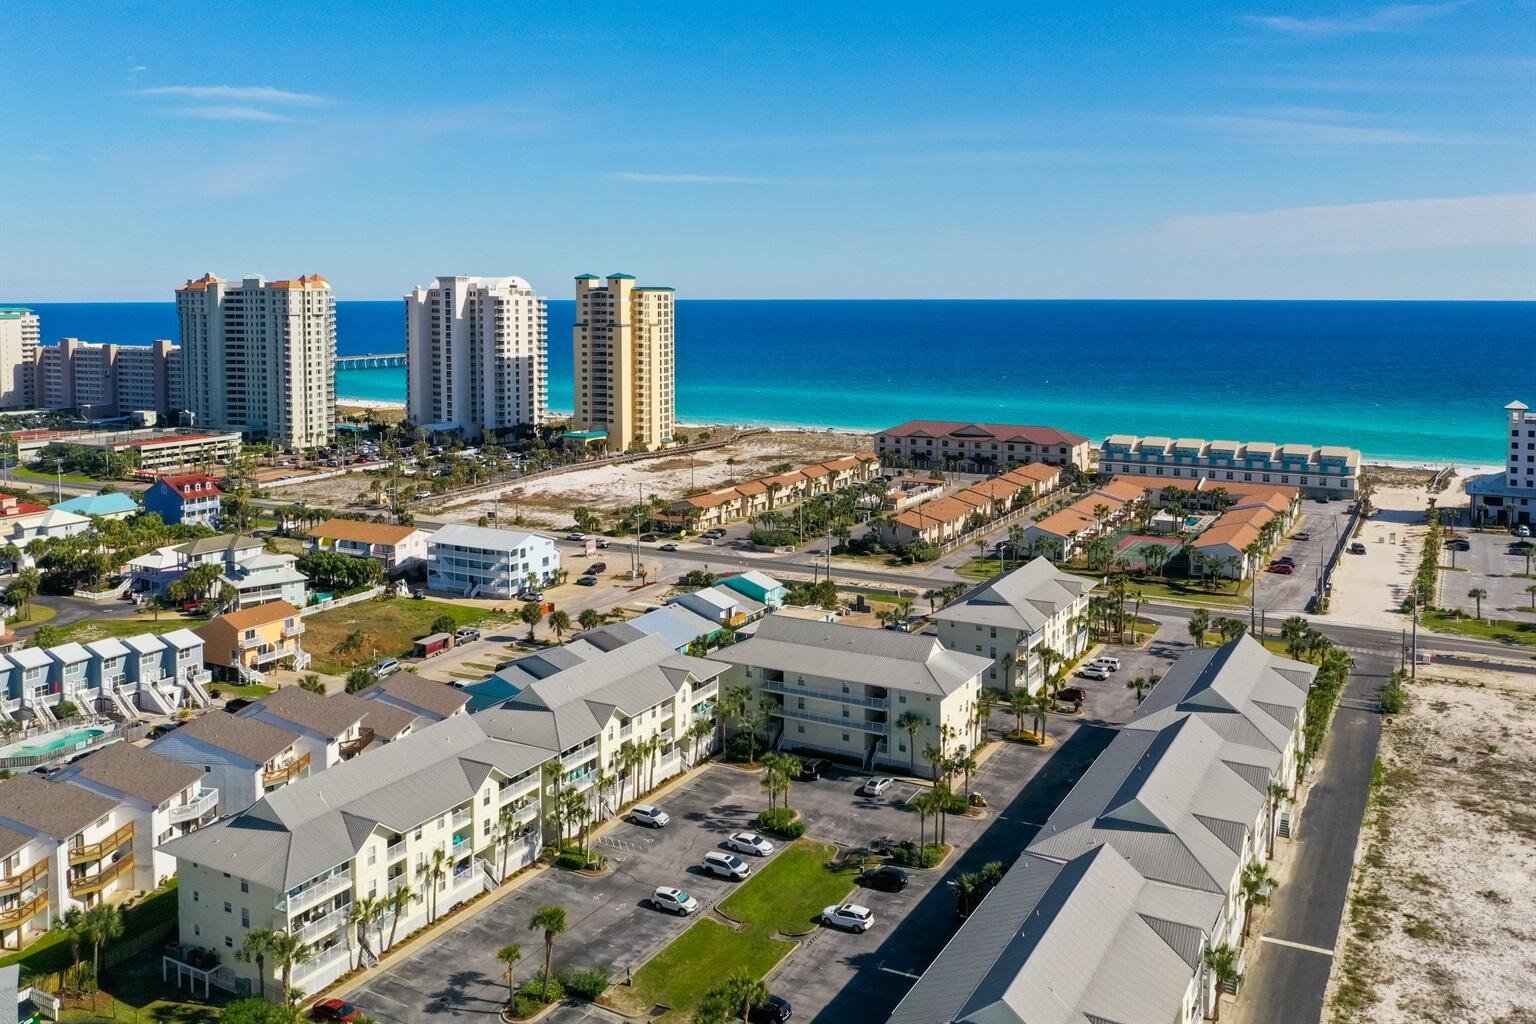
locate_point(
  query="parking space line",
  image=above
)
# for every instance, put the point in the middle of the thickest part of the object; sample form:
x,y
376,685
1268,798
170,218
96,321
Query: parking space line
x,y
893,970
1296,945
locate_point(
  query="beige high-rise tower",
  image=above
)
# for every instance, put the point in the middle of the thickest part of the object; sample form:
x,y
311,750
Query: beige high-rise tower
x,y
260,357
625,367
19,334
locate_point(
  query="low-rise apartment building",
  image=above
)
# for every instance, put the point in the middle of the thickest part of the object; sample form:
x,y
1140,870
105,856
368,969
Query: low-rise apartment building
x,y
244,759
1329,471
1237,542
397,548
1137,873
164,798
1062,534
978,447
187,499
241,645
425,701
477,561
943,520
842,690
88,842
1011,618
332,728
420,814
743,501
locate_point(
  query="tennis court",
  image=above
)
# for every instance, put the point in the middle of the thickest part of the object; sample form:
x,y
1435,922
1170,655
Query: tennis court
x,y
1132,550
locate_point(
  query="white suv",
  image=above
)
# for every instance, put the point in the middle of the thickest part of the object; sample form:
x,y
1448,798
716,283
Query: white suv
x,y
1105,661
850,916
726,865
649,816
673,901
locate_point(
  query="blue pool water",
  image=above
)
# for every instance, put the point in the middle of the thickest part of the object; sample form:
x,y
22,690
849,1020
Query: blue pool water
x,y
54,745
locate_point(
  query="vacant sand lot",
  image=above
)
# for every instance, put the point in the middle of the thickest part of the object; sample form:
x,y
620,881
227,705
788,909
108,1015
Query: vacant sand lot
x,y
1442,923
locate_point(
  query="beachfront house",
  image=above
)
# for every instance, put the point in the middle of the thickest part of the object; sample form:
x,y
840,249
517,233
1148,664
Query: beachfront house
x,y
397,548
187,499
476,561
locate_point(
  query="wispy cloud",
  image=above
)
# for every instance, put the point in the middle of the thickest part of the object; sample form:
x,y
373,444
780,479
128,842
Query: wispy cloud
x,y
230,113
1391,18
1392,225
239,94
1306,128
695,179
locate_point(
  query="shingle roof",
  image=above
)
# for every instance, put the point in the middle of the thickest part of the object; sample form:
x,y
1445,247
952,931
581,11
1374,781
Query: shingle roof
x,y
362,532
12,840
260,614
877,657
310,826
1025,598
995,431
253,740
438,698
52,808
330,715
136,772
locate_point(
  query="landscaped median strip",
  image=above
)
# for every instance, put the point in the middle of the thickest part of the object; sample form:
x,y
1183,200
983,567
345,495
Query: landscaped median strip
x,y
781,901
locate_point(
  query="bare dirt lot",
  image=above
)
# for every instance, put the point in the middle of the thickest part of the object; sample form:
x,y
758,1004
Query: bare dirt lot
x,y
1442,923
549,500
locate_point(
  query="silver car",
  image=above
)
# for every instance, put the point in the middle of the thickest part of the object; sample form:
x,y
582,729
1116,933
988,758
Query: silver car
x,y
673,901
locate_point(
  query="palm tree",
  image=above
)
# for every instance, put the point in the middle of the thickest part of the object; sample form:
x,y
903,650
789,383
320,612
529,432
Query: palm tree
x,y
965,762
1141,684
400,901
1040,705
934,755
1222,963
1199,623
287,951
559,621
986,700
364,915
751,721
257,944
746,990
1020,702
630,759
1256,883
774,781
1532,591
102,924
697,730
435,871
509,955
911,722
1477,594
732,702
312,683
505,823
550,919
590,618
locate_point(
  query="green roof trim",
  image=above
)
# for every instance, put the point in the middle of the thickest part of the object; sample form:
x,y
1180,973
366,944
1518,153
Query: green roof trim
x,y
13,310
621,277
656,288
588,277
585,435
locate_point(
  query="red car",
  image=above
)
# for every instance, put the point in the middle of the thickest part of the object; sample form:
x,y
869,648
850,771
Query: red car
x,y
1282,568
336,1010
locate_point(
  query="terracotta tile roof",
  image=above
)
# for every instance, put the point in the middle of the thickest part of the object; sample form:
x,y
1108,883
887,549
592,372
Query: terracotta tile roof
x,y
201,284
977,431
362,532
1035,472
1125,490
307,281
752,487
814,471
1068,521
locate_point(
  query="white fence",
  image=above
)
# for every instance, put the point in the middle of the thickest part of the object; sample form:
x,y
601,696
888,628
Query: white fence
x,y
342,602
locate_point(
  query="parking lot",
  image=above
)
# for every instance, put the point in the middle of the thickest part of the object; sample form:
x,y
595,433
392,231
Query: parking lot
x,y
1322,522
1491,563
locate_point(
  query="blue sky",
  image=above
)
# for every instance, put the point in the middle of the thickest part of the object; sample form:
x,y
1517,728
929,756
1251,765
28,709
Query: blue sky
x,y
1032,149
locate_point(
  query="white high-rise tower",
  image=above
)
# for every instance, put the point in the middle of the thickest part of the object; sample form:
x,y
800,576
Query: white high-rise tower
x,y
476,355
19,334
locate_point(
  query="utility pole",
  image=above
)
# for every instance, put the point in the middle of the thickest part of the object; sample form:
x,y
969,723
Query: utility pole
x,y
1413,665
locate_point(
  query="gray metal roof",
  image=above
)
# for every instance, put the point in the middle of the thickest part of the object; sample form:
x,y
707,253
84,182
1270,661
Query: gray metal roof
x,y
1242,691
875,657
51,808
1024,599
485,537
134,771
1154,797
1086,940
253,740
310,826
226,542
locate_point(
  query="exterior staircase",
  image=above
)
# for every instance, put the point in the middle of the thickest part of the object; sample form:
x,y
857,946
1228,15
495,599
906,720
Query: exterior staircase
x,y
120,704
157,701
195,688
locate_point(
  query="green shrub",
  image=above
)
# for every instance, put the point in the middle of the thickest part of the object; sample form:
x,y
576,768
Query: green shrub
x,y
782,821
533,995
909,855
573,858
587,983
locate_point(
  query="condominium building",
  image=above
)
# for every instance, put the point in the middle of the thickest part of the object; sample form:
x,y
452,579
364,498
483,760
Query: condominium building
x,y
19,334
476,561
259,357
108,380
1330,471
625,373
71,847
1011,618
1138,872
1509,498
243,758
980,447
476,355
843,690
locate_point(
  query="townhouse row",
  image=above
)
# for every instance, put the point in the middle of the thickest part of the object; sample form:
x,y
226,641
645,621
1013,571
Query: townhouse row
x,y
1062,534
944,520
125,678
1231,545
743,501
1114,903
1328,471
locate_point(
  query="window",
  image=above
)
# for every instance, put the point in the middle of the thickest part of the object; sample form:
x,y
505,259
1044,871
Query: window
x,y
229,942
245,917
227,908
245,886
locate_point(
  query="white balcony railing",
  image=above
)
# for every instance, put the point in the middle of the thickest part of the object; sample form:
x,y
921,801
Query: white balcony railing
x,y
322,926
196,807
315,893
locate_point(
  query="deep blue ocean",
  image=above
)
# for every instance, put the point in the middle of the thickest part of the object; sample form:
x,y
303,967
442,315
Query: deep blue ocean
x,y
1421,381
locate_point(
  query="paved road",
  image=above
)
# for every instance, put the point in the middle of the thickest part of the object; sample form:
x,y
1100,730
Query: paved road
x,y
1289,977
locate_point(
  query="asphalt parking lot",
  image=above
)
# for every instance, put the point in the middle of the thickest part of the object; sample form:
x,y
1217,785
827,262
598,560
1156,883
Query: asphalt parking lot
x,y
1323,522
1491,563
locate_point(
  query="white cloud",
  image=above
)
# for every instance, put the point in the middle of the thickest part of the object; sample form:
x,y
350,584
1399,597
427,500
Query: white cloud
x,y
239,93
1392,225
1391,18
694,179
230,113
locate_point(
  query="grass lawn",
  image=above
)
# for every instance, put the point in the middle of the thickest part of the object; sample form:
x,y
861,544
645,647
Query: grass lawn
x,y
36,477
51,953
100,629
244,690
786,895
37,614
1507,631
980,568
1180,592
360,633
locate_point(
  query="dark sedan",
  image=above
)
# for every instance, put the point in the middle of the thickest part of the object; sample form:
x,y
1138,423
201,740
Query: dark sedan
x,y
773,1010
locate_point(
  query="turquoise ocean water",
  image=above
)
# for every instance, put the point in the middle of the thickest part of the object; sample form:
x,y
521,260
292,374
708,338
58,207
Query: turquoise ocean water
x,y
1419,381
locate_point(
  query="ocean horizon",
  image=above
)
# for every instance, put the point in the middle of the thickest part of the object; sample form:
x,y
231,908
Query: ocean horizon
x,y
1419,381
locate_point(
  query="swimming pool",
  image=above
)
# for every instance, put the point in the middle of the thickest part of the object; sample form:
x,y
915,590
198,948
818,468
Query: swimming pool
x,y
64,741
